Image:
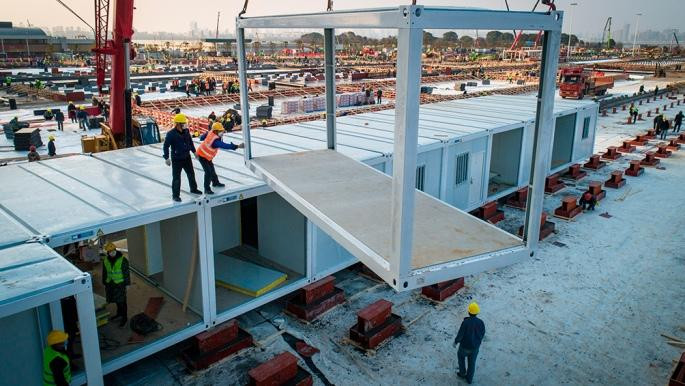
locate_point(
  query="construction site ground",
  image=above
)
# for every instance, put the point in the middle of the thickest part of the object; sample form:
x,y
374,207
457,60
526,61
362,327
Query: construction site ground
x,y
588,308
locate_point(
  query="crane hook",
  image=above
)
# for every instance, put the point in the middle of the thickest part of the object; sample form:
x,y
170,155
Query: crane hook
x,y
329,7
240,15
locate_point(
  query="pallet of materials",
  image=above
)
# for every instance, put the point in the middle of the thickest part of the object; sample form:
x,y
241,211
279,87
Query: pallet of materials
x,y
25,138
245,277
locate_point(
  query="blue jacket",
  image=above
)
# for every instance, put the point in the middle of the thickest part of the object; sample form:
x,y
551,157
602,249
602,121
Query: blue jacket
x,y
218,143
181,144
470,333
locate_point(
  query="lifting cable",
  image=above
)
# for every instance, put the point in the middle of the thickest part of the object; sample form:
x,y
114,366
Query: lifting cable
x,y
75,14
240,15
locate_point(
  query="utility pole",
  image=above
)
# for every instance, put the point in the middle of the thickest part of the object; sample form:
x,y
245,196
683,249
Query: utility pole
x,y
637,26
570,24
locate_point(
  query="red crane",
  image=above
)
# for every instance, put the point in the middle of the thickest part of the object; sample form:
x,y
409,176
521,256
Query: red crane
x,y
517,37
120,50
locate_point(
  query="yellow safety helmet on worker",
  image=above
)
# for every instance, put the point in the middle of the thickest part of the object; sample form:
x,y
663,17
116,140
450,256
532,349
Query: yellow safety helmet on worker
x,y
57,337
474,309
180,118
109,247
217,126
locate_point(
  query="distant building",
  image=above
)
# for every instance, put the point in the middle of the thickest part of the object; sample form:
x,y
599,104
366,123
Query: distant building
x,y
23,42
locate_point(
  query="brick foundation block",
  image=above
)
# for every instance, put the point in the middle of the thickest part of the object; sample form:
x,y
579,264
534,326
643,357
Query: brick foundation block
x,y
651,134
569,208
611,153
518,199
662,151
373,315
595,188
650,159
575,173
616,181
370,339
552,184
443,290
276,371
634,170
678,376
313,310
546,227
594,163
489,212
314,291
626,147
681,138
198,360
216,337
673,145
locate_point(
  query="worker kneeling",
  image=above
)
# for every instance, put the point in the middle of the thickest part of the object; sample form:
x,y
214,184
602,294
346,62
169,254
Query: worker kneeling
x,y
56,363
116,276
208,149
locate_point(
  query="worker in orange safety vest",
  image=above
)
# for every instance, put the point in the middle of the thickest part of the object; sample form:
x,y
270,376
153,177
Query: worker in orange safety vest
x,y
208,149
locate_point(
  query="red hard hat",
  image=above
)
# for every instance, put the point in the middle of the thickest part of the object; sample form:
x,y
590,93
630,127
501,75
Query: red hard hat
x,y
32,148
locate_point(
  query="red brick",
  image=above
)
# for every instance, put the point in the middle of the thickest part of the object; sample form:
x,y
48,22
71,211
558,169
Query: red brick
x,y
316,290
611,153
594,163
552,184
443,290
197,360
371,339
575,173
373,315
616,181
275,371
216,337
310,312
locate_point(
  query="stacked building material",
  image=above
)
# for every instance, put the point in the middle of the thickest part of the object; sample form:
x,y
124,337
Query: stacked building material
x,y
213,345
375,324
315,299
25,138
443,290
280,370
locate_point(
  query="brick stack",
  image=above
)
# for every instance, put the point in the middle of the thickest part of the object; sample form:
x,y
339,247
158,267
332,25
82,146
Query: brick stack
x,y
626,147
375,324
489,213
441,291
634,170
552,184
569,208
575,173
650,159
681,138
616,181
315,299
673,145
640,140
678,376
546,227
594,163
280,370
518,199
611,153
595,188
216,344
662,151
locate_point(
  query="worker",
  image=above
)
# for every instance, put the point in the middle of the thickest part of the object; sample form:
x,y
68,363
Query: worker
x,y
71,111
52,151
208,149
588,201
33,154
116,276
634,112
139,101
656,91
56,362
657,122
664,126
8,81
59,118
212,116
181,145
469,338
47,115
677,122
82,116
379,96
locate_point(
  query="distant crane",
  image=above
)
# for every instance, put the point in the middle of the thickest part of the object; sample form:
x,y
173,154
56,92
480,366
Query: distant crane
x,y
677,43
517,36
607,33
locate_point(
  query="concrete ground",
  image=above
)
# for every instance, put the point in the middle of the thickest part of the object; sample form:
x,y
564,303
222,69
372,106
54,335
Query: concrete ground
x,y
589,308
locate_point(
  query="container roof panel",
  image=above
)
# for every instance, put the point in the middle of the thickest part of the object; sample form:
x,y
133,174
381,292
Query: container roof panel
x,y
11,231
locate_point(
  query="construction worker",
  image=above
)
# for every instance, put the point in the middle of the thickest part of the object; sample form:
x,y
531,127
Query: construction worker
x,y
71,111
52,151
212,116
116,276
139,101
379,96
59,118
8,81
588,201
208,149
677,122
664,126
47,115
82,116
657,122
181,144
56,363
33,154
469,338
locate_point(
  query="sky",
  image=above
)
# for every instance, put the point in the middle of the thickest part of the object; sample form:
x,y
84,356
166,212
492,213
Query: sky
x,y
586,19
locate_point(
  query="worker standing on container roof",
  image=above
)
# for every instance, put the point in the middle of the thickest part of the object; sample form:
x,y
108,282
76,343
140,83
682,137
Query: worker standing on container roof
x,y
56,367
181,144
116,276
208,149
469,338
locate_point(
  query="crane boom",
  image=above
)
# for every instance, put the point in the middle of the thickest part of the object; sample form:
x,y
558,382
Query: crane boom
x,y
606,33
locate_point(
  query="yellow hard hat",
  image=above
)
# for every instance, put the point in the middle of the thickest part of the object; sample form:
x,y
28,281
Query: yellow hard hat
x,y
474,309
109,247
82,107
49,110
180,118
217,126
71,102
51,137
57,337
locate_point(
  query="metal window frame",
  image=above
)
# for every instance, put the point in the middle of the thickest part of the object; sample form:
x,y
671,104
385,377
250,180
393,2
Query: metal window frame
x,y
410,21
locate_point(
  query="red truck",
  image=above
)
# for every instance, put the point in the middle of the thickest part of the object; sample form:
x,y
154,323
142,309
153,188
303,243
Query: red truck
x,y
576,83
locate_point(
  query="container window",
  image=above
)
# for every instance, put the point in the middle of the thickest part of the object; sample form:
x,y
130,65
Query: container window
x,y
462,168
420,177
586,127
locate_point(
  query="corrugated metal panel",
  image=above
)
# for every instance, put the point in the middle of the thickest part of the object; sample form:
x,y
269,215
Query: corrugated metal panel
x,y
11,231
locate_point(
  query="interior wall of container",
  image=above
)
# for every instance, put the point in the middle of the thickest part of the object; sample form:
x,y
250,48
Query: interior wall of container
x,y
265,229
23,340
465,191
505,161
563,142
585,133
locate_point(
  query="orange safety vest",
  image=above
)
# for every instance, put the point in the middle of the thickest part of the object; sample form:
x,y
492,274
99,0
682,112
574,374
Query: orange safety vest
x,y
205,150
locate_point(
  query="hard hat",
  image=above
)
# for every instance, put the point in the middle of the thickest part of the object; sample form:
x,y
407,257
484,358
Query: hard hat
x,y
180,118
57,337
51,137
82,107
71,102
474,309
32,148
49,110
109,247
217,126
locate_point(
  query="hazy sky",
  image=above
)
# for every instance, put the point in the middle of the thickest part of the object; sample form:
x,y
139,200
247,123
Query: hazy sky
x,y
587,18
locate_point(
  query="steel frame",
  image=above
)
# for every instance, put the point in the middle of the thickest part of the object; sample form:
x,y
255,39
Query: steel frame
x,y
410,21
